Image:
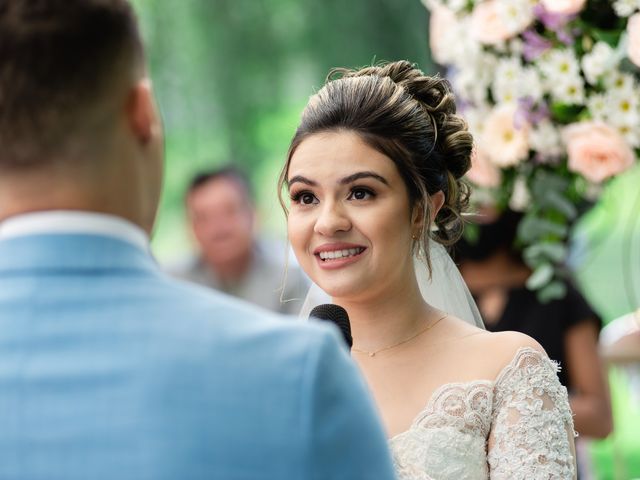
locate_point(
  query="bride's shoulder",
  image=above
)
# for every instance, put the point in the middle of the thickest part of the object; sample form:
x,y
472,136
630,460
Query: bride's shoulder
x,y
507,347
507,344
497,350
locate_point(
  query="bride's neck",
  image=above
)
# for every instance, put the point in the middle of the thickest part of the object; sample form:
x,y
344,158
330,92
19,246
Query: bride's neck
x,y
384,319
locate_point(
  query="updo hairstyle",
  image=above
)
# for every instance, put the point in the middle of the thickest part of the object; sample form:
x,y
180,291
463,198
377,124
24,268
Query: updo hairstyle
x,y
409,117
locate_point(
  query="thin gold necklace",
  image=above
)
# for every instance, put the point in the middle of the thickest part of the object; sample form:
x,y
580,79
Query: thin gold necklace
x,y
373,353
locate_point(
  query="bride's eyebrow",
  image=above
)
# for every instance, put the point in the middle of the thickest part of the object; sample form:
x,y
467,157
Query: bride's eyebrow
x,y
343,181
359,175
301,179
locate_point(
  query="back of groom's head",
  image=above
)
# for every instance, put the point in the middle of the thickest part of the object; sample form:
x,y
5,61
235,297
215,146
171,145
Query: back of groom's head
x,y
73,94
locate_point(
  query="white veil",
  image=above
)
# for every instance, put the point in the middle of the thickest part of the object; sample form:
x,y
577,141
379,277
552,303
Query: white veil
x,y
445,290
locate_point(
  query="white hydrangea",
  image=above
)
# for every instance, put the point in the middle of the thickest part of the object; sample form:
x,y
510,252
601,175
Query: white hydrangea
x,y
619,81
516,46
516,15
530,84
505,87
476,118
625,103
457,47
473,81
629,132
625,8
545,139
456,5
624,114
598,106
569,90
508,69
561,72
558,64
597,62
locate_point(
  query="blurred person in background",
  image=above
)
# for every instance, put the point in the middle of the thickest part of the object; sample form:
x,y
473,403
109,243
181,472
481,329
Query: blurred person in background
x,y
231,258
567,329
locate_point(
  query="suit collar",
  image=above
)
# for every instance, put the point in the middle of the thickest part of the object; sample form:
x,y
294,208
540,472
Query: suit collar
x,y
73,221
71,251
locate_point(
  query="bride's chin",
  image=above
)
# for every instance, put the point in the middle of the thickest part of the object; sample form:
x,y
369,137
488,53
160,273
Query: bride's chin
x,y
341,291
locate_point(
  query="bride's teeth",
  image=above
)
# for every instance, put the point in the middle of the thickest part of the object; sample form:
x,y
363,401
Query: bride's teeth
x,y
340,253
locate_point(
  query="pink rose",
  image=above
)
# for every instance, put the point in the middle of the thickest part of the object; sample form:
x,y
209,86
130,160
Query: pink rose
x,y
486,24
483,173
596,150
564,7
633,45
505,144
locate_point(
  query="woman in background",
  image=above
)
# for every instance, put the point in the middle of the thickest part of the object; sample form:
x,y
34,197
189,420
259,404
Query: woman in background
x,y
568,328
374,166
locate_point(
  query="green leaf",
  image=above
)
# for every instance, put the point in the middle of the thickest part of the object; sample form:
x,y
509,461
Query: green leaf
x,y
553,291
552,251
565,113
541,276
559,202
611,37
548,181
532,228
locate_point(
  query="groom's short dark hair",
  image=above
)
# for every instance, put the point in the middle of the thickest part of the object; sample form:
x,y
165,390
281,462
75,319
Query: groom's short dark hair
x,y
59,61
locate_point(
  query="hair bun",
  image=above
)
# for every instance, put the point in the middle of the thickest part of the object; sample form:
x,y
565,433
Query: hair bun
x,y
454,143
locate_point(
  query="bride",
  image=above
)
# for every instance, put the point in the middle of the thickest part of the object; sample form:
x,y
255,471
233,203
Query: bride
x,y
374,175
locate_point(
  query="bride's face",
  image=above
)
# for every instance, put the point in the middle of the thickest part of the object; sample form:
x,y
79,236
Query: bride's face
x,y
350,220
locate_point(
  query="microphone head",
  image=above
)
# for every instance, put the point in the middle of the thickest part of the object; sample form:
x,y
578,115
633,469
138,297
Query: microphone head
x,y
336,314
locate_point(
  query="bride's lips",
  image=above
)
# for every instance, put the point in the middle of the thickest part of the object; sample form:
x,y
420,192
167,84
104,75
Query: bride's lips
x,y
337,255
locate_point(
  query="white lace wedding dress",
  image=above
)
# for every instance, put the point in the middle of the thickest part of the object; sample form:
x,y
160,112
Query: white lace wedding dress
x,y
516,427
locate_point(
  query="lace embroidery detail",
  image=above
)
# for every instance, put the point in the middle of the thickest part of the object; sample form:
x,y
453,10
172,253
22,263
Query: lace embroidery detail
x,y
463,406
532,421
525,414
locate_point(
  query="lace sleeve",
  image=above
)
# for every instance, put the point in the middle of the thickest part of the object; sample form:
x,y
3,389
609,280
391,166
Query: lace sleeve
x,y
532,427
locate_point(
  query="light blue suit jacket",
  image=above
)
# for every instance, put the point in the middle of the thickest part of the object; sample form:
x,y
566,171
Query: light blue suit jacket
x,y
109,369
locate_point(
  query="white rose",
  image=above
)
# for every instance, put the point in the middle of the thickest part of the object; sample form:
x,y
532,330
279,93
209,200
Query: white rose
x,y
565,7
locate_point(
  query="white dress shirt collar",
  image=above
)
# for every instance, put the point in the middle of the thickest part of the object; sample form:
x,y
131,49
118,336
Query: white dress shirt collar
x,y
71,221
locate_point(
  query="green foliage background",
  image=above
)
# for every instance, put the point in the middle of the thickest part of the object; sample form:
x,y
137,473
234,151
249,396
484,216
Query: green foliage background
x,y
232,77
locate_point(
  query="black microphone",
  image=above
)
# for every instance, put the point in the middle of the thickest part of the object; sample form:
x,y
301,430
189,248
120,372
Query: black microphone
x,y
336,314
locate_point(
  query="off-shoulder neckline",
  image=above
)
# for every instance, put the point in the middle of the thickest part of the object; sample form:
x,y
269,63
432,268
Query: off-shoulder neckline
x,y
490,384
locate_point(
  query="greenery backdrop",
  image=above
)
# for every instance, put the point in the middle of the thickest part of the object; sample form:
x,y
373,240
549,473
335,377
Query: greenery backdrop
x,y
232,77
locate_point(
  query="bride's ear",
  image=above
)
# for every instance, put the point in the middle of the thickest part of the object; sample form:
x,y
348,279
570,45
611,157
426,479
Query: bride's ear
x,y
437,201
418,220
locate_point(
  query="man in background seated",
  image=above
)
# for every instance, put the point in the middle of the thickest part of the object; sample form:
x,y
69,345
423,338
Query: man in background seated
x,y
221,213
110,369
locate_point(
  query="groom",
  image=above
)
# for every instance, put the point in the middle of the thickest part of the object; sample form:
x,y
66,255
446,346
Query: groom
x,y
108,368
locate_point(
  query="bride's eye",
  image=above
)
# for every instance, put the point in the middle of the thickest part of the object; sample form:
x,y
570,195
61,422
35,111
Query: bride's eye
x,y
359,193
304,198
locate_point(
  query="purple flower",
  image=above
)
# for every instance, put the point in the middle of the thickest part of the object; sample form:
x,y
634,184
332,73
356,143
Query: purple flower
x,y
534,45
552,21
528,113
565,37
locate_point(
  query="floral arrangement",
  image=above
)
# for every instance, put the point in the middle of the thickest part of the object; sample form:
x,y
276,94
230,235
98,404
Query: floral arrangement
x,y
550,90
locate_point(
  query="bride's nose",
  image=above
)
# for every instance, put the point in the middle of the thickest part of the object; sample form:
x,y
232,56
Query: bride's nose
x,y
332,218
